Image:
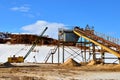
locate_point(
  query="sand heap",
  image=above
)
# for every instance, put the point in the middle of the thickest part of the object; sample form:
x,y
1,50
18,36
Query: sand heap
x,y
93,62
7,64
70,63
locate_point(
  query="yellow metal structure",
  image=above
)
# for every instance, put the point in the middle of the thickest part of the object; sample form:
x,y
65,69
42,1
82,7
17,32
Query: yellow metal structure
x,y
15,59
97,43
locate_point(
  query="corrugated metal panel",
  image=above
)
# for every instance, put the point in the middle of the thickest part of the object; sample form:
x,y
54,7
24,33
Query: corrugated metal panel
x,y
70,37
67,36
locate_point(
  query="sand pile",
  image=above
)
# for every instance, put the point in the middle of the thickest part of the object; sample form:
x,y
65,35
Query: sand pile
x,y
7,64
83,63
93,62
70,63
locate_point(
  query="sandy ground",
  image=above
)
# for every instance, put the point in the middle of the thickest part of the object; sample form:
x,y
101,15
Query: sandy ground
x,y
28,71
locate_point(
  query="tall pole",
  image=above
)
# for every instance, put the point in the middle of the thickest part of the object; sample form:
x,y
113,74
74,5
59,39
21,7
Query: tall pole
x,y
63,52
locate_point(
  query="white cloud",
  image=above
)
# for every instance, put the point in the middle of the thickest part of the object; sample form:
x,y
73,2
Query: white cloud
x,y
39,26
21,8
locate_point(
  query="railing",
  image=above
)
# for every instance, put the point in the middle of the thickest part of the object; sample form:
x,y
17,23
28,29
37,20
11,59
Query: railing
x,y
101,38
105,44
109,38
52,51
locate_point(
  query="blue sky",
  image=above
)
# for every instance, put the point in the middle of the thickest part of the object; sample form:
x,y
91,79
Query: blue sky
x,y
30,16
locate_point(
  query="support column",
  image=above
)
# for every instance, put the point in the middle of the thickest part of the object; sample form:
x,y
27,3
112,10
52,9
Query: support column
x,y
81,48
58,49
63,52
94,55
119,60
89,50
52,57
84,50
102,56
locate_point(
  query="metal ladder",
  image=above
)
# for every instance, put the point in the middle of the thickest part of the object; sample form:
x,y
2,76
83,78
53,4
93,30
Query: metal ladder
x,y
50,53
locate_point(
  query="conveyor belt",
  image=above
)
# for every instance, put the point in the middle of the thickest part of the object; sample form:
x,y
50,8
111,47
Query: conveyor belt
x,y
107,45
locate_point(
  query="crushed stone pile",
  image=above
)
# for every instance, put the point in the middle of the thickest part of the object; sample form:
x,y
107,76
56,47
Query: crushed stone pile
x,y
70,63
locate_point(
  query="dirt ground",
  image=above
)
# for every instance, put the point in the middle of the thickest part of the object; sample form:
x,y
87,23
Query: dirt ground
x,y
32,71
